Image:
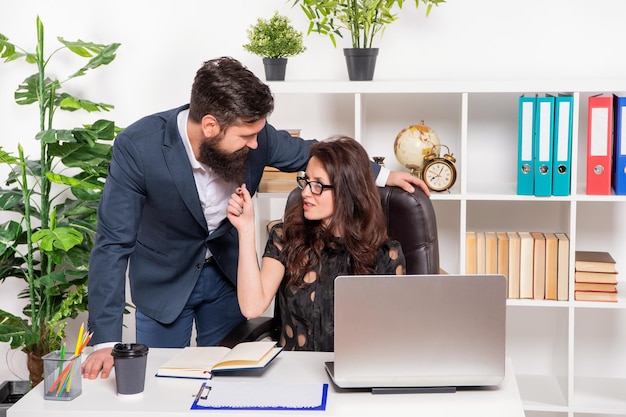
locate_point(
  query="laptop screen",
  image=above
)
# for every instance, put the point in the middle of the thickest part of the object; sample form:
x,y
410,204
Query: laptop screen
x,y
419,330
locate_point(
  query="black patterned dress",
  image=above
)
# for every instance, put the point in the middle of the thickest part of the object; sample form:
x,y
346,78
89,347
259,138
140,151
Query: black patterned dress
x,y
306,313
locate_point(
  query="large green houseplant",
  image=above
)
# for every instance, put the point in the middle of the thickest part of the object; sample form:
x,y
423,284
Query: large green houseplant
x,y
50,201
274,40
362,19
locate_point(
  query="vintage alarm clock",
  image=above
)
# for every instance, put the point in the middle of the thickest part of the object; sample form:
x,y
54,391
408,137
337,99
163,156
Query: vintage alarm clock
x,y
439,172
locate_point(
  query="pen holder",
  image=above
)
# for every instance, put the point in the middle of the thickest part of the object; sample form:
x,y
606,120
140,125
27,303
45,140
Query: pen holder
x,y
62,377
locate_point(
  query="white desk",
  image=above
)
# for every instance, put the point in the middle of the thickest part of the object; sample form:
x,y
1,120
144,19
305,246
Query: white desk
x,y
166,397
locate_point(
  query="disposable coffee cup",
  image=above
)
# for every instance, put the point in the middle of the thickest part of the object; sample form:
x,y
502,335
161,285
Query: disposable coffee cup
x,y
130,367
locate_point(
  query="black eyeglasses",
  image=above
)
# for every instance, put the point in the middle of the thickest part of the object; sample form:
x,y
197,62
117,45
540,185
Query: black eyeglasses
x,y
316,187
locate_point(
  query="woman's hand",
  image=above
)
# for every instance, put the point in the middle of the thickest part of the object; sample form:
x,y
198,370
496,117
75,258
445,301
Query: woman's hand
x,y
240,209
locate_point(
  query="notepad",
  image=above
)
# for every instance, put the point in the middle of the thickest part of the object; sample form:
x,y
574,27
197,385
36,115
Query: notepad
x,y
261,395
202,362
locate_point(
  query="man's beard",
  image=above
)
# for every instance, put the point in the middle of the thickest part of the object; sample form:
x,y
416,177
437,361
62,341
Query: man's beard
x,y
229,167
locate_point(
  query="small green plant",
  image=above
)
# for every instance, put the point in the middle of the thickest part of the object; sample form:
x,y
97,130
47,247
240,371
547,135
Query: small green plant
x,y
53,200
364,19
274,38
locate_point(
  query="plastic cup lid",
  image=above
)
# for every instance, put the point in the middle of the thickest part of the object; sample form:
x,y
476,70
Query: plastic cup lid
x,y
129,350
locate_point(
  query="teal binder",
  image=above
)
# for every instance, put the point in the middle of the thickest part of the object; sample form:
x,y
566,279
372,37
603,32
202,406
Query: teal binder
x,y
562,145
525,133
544,124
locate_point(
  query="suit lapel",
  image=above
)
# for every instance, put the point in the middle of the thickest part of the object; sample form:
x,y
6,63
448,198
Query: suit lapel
x,y
180,169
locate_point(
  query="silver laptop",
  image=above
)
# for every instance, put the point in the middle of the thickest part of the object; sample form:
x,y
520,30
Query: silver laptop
x,y
419,331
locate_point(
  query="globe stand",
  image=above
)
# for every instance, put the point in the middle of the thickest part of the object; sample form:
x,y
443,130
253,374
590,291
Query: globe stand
x,y
414,170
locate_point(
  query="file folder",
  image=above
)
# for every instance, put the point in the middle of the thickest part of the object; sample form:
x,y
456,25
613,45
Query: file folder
x,y
562,145
619,146
599,144
525,168
544,123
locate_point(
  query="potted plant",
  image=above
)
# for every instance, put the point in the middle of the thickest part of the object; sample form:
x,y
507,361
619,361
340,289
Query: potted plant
x,y
47,240
363,19
274,40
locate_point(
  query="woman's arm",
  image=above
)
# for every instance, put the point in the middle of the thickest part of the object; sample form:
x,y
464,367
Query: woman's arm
x,y
255,287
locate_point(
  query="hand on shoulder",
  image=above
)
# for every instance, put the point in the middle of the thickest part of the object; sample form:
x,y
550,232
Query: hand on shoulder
x,y
406,181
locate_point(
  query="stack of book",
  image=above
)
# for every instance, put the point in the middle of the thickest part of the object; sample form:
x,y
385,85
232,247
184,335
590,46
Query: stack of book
x,y
276,181
595,277
535,264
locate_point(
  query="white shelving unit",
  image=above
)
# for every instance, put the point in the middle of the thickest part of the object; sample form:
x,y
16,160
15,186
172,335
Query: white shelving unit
x,y
570,357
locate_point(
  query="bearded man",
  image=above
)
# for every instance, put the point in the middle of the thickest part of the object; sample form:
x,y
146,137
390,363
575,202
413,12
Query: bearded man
x,y
162,216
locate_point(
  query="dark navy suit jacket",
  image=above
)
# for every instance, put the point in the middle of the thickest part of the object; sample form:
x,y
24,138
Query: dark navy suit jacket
x,y
150,221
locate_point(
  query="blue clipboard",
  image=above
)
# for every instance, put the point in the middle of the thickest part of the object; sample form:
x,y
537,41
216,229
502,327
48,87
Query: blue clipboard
x,y
228,395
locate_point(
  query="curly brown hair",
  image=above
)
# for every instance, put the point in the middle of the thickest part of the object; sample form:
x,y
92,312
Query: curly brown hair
x,y
358,214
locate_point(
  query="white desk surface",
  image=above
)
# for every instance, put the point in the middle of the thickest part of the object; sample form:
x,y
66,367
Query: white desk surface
x,y
166,397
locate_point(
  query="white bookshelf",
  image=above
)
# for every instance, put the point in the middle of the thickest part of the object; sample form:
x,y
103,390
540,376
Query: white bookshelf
x,y
570,357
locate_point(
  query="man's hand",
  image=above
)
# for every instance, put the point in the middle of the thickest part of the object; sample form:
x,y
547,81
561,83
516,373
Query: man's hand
x,y
406,181
99,360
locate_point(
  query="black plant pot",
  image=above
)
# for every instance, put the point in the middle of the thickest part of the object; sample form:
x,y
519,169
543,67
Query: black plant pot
x,y
275,68
361,63
10,392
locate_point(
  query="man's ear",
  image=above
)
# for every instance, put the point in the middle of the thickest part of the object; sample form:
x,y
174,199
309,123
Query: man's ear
x,y
210,126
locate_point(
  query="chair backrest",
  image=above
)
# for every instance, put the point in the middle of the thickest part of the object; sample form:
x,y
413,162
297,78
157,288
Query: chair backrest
x,y
411,221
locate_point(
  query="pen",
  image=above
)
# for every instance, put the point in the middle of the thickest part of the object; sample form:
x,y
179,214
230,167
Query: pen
x,y
80,344
79,339
62,358
63,374
87,339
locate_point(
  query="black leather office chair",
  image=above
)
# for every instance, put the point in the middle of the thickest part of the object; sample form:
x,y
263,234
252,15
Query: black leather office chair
x,y
410,220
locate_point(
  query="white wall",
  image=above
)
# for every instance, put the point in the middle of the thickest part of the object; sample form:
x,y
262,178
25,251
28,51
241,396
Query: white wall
x,y
163,43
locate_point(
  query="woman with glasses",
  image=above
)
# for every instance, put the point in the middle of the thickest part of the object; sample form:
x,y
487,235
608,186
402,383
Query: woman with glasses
x,y
336,227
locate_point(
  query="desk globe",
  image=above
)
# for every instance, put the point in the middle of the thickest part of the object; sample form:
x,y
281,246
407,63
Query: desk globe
x,y
412,144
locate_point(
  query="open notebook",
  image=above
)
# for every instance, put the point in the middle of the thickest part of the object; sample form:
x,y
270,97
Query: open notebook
x,y
202,362
419,331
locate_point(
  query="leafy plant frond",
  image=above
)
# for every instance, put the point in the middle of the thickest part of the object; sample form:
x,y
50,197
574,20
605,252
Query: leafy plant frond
x,y
363,19
16,331
48,246
99,54
70,103
9,232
